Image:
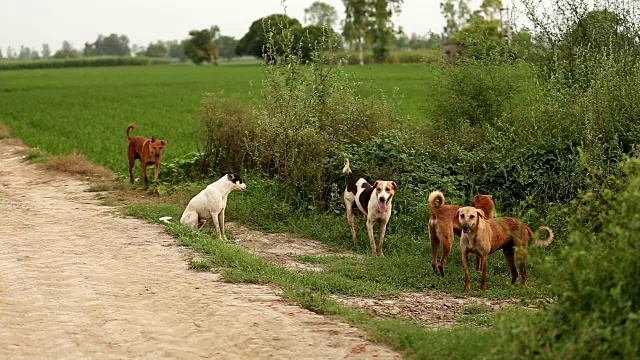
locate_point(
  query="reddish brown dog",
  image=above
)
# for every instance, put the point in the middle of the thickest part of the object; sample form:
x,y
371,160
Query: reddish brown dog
x,y
484,237
149,151
443,225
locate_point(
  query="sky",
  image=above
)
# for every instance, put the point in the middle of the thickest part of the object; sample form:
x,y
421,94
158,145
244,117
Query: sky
x,y
34,22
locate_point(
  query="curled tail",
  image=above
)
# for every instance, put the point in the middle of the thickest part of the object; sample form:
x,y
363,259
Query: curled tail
x,y
129,128
346,169
436,195
351,181
543,242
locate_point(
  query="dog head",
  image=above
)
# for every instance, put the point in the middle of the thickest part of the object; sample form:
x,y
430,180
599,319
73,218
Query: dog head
x,y
236,182
157,147
384,191
484,202
469,218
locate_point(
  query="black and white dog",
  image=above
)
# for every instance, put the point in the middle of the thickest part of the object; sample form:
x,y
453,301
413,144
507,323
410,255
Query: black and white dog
x,y
372,201
211,203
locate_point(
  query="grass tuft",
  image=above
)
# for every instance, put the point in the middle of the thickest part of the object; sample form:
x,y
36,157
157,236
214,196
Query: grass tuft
x,y
79,165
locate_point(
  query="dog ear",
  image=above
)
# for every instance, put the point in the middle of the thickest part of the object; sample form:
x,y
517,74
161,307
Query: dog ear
x,y
394,185
164,142
375,184
458,213
481,213
230,176
153,139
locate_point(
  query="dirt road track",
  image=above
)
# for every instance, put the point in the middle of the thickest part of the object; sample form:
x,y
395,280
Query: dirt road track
x,y
77,281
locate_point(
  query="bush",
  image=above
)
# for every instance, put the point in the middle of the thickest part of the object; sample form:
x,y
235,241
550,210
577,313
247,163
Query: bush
x,y
82,62
598,297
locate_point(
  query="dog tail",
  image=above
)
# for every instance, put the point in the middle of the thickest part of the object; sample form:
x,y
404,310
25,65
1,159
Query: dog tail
x,y
436,195
346,169
548,240
129,128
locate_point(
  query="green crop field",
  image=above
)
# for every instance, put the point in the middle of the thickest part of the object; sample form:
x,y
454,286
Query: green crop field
x,y
88,109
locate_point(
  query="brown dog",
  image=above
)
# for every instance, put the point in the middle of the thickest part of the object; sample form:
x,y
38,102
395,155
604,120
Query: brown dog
x,y
484,237
149,151
443,225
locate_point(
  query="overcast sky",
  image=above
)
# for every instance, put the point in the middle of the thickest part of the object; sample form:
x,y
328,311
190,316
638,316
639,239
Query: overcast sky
x,y
34,22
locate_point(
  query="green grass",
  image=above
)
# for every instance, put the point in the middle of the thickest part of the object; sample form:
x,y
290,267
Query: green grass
x,y
88,109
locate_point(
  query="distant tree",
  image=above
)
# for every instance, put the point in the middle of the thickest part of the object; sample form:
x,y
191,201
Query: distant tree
x,y
46,52
202,47
34,55
315,36
157,50
254,41
176,50
491,9
24,54
227,46
1,58
10,55
382,28
113,45
320,13
455,16
66,52
89,50
356,25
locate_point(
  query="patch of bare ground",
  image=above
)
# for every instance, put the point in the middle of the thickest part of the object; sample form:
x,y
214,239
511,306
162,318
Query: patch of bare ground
x,y
79,165
282,248
431,309
5,132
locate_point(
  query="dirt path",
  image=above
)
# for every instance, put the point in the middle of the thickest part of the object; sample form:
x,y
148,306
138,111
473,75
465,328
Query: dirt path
x,y
76,281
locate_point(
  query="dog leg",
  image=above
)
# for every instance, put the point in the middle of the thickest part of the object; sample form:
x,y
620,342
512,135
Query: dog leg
x,y
221,222
190,219
132,162
478,262
372,240
447,244
465,265
485,264
383,231
523,266
216,224
510,255
144,174
435,246
350,218
156,172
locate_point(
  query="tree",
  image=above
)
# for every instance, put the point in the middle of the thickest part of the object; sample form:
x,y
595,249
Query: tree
x,y
491,9
176,50
34,55
383,27
320,13
455,16
1,58
356,24
254,41
201,47
157,50
113,45
67,52
46,52
24,54
227,46
10,55
89,50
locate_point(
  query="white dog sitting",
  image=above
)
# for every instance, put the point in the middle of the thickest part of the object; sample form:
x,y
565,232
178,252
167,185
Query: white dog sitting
x,y
210,204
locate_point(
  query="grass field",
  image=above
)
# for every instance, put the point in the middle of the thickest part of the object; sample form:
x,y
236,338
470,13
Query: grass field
x,y
88,109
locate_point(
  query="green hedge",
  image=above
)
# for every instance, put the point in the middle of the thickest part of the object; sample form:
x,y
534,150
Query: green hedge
x,y
82,62
395,56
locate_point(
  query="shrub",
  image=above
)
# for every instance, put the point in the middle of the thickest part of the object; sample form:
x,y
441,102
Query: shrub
x,y
81,62
598,298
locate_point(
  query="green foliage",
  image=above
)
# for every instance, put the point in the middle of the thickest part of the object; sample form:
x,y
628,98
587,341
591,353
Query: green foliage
x,y
321,14
254,42
112,45
80,62
157,50
226,46
202,47
598,300
67,52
